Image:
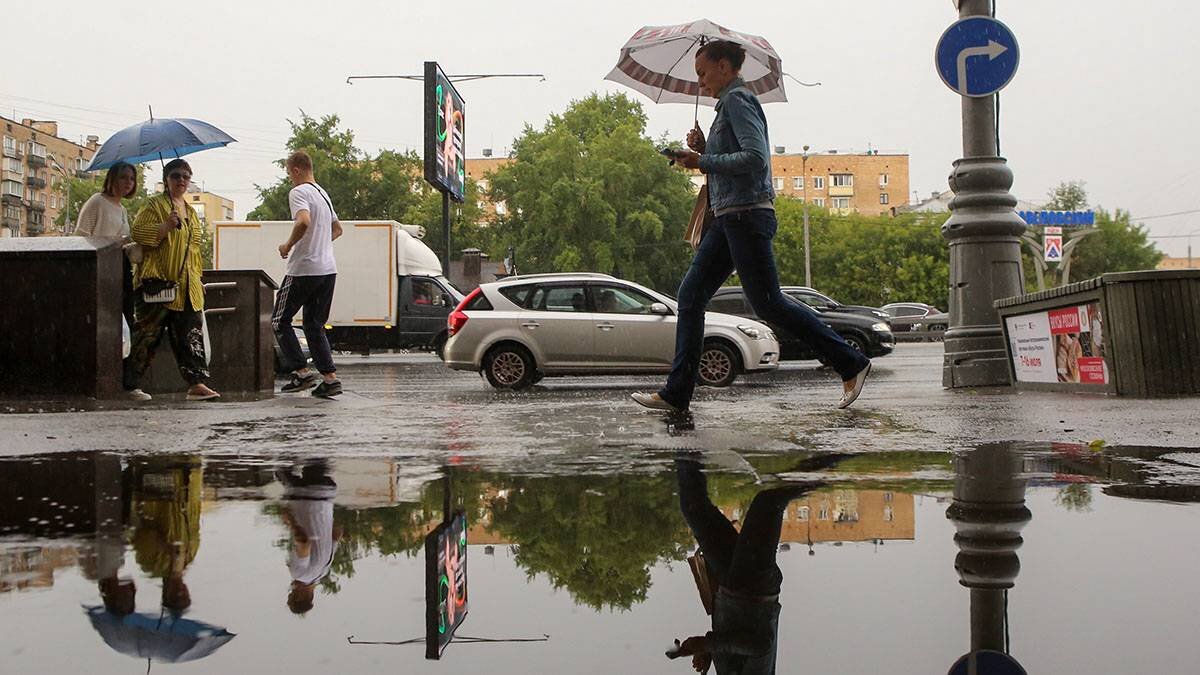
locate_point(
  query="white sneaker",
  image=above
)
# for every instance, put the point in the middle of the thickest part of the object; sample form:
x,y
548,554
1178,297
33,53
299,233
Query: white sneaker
x,y
859,380
138,395
653,402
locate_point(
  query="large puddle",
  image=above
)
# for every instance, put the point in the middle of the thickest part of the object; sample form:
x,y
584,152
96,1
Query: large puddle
x,y
1069,558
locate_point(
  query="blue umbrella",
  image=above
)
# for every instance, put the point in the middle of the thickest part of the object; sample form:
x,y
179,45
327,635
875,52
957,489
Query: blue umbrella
x,y
157,139
163,638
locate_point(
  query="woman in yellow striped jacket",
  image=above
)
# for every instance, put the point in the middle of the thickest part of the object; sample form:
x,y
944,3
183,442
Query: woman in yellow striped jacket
x,y
169,231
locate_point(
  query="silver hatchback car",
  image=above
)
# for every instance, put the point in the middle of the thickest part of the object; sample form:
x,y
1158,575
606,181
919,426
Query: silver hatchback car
x,y
521,329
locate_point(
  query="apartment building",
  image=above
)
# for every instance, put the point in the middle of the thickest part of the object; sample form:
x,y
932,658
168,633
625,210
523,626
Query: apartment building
x,y
209,206
35,166
870,183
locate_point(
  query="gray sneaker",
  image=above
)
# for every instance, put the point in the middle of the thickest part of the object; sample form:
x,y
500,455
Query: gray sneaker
x,y
138,395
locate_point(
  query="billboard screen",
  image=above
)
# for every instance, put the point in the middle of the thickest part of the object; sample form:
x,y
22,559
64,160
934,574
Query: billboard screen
x,y
445,583
445,134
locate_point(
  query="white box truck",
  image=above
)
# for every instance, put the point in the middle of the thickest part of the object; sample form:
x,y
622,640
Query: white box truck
x,y
390,289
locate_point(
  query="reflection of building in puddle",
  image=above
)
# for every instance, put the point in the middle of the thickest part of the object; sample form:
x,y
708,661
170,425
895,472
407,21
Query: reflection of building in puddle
x,y
33,566
844,515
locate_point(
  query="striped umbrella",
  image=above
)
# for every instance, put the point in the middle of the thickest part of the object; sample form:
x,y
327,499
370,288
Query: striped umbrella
x,y
659,61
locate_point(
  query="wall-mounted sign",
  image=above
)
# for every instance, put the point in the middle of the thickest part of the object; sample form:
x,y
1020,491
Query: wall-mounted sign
x,y
1060,218
1060,345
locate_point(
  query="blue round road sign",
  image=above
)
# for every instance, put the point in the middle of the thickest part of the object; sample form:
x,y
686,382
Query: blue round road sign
x,y
977,56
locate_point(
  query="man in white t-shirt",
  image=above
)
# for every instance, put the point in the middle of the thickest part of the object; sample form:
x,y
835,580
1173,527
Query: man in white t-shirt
x,y
308,282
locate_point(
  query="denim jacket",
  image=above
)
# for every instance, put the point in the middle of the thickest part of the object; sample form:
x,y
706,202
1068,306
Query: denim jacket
x,y
737,156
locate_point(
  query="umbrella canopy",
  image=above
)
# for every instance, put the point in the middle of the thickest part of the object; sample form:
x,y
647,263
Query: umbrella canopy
x,y
659,61
158,139
166,638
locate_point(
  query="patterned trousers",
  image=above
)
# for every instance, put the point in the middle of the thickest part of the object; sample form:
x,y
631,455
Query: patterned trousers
x,y
184,330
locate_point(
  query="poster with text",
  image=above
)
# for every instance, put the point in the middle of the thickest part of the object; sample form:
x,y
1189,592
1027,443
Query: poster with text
x,y
1060,345
445,584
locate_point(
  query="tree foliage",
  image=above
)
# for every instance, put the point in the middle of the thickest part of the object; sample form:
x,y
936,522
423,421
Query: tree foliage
x,y
860,259
388,186
1068,196
589,192
1119,245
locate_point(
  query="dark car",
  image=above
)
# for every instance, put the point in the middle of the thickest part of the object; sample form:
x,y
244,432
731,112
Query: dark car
x,y
823,303
911,317
871,336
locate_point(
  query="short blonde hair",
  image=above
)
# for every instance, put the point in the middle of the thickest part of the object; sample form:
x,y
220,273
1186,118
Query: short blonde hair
x,y
299,160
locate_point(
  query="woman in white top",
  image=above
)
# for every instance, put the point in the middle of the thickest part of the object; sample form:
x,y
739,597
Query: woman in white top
x,y
103,215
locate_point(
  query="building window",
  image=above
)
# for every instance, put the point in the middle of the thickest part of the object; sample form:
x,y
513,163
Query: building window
x,y
228,213
778,183
12,187
841,202
883,180
483,184
10,144
37,149
501,208
79,165
883,197
888,515
887,497
13,165
798,182
842,180
53,201
819,201
802,513
12,213
823,513
818,182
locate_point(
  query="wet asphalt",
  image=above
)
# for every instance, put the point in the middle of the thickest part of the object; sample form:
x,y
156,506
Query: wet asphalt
x,y
410,405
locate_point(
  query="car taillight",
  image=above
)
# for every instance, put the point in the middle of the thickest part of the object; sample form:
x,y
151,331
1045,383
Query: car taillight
x,y
458,318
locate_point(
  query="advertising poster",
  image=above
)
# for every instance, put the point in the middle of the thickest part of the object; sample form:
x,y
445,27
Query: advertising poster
x,y
445,584
1060,345
1032,347
445,134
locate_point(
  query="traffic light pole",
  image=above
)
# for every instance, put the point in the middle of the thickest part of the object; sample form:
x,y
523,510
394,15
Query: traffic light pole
x,y
984,234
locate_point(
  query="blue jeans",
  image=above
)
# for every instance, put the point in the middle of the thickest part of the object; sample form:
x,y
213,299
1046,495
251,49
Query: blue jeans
x,y
742,241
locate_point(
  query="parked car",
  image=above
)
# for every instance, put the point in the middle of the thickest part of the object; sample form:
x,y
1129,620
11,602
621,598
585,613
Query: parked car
x,y
871,336
908,317
823,303
521,329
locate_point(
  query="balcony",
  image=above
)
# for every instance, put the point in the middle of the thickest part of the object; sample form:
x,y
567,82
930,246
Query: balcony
x,y
841,191
13,222
33,229
37,205
14,153
36,162
36,183
14,200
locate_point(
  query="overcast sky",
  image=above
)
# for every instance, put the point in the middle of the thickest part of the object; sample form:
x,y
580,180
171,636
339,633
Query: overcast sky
x,y
1106,91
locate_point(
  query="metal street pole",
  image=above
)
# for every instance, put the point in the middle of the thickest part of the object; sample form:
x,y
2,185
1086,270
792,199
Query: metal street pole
x,y
984,234
808,260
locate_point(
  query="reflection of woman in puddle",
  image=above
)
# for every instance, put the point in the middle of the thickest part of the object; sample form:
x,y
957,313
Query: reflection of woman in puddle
x,y
745,607
166,514
308,513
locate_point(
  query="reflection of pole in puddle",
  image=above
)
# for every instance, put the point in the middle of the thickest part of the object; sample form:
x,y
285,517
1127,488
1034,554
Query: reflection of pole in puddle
x,y
989,513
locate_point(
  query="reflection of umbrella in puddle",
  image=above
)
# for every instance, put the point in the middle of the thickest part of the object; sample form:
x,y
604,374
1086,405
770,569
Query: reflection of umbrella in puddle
x,y
164,638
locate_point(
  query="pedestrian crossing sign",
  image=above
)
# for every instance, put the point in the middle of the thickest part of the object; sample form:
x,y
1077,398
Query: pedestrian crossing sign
x,y
1054,247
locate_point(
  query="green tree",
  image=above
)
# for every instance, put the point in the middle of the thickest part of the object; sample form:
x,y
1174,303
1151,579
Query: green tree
x,y
1118,245
388,186
589,192
596,536
870,260
1068,196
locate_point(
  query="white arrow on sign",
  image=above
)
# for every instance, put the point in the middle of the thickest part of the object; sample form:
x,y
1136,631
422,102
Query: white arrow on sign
x,y
992,50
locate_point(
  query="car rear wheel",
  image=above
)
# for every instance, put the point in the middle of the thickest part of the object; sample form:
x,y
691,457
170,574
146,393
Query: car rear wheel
x,y
719,365
509,366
